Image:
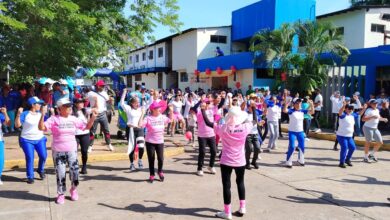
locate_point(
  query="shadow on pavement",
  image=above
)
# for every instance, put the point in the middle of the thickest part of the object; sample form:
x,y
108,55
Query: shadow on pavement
x,y
367,181
328,197
111,178
165,209
23,195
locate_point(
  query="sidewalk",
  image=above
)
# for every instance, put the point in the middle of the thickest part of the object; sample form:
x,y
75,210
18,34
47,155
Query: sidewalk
x,y
331,136
320,190
14,155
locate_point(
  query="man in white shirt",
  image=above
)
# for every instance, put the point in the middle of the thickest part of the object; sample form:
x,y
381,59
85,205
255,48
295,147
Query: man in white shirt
x,y
318,103
98,99
337,103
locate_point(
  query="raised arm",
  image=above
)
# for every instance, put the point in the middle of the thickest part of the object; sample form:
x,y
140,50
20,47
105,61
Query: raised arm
x,y
41,125
7,121
341,111
122,101
18,123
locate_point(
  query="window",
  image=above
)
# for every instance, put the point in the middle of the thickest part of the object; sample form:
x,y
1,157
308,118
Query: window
x,y
143,56
386,17
130,59
183,77
340,30
379,28
264,74
137,58
138,77
160,52
160,80
218,39
150,54
129,81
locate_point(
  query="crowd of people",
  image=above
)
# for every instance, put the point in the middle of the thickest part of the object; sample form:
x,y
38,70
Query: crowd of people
x,y
237,122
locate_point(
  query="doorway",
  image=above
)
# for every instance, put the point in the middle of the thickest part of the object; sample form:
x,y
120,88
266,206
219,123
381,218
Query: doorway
x,y
219,82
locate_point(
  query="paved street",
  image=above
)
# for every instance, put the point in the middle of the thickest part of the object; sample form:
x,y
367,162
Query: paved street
x,y
320,190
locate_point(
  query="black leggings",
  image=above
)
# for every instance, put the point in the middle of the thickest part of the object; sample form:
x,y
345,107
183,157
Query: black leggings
x,y
150,150
265,128
316,119
210,142
84,141
138,132
226,172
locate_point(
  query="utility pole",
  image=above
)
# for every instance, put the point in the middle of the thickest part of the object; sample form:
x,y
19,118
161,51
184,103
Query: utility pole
x,y
8,69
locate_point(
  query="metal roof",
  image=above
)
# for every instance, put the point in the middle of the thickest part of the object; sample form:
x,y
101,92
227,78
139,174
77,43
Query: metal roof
x,y
356,8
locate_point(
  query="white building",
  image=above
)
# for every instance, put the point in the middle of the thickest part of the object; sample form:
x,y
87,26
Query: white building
x,y
362,26
171,62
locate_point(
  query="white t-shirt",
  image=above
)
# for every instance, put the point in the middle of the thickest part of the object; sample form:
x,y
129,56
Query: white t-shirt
x,y
30,123
192,119
346,125
337,103
189,105
296,120
273,113
318,99
372,123
177,105
254,128
82,117
101,99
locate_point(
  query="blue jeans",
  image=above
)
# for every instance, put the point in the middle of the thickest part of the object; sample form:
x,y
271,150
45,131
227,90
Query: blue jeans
x,y
28,147
1,157
347,148
358,131
292,136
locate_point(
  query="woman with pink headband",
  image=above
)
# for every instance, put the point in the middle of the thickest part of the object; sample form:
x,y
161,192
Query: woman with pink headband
x,y
155,124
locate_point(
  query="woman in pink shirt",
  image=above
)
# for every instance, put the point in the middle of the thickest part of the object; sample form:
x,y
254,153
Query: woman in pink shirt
x,y
155,124
64,145
233,135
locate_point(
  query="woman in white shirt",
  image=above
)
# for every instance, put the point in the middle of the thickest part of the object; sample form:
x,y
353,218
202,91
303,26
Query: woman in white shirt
x,y
370,129
83,137
272,112
136,134
32,138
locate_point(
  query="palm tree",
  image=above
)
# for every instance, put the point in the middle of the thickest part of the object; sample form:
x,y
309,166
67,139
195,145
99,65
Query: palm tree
x,y
318,38
275,48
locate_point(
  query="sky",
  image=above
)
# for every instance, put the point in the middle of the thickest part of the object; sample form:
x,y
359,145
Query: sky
x,y
208,13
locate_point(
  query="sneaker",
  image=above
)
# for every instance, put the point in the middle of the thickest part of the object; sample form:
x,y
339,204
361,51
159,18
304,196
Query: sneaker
x,y
307,139
60,199
83,170
110,147
132,167
348,162
42,175
74,196
241,212
301,163
342,165
30,181
288,164
318,130
211,170
223,215
248,167
1,183
151,179
366,160
373,158
161,176
335,148
199,173
90,149
140,164
255,165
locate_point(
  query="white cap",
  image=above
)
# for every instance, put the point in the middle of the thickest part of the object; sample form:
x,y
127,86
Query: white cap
x,y
63,101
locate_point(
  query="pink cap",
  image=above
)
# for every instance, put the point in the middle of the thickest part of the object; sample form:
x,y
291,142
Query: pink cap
x,y
100,83
162,105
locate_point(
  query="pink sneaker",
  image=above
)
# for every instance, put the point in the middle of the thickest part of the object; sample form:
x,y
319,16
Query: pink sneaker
x,y
74,196
60,199
151,179
161,175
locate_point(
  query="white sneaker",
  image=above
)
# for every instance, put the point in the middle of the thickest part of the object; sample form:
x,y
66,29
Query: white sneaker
x,y
223,215
90,149
242,211
199,173
110,147
1,182
307,139
211,170
289,164
317,130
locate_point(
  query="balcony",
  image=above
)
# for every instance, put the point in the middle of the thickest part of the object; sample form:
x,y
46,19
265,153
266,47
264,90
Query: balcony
x,y
240,61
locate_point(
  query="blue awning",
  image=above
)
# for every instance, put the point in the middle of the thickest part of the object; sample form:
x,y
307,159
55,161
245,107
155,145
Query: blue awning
x,y
103,72
145,70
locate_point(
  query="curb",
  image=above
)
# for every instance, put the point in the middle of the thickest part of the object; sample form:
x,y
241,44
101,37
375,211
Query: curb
x,y
332,137
21,163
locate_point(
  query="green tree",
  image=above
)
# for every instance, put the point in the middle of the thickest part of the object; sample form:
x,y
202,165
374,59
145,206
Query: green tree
x,y
53,37
369,2
318,38
275,49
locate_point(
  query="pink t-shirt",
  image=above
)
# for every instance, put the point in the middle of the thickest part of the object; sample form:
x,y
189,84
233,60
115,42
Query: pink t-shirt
x,y
64,131
233,143
203,129
155,128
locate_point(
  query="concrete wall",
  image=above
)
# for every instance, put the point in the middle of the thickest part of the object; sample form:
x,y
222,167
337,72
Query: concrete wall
x,y
373,16
354,27
245,77
149,63
205,48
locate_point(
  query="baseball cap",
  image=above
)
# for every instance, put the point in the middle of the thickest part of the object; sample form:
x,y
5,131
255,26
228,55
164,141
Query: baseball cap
x,y
373,101
100,83
357,93
34,100
63,101
296,100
